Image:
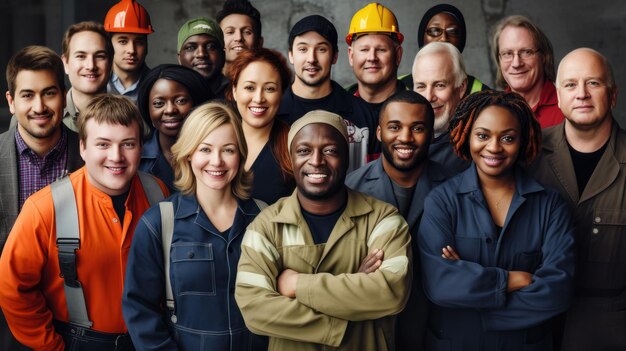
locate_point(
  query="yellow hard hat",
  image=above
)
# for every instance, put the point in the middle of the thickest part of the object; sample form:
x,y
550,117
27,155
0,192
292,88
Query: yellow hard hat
x,y
374,18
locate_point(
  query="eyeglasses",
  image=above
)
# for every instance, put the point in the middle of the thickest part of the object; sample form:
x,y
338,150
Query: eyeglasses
x,y
437,32
523,54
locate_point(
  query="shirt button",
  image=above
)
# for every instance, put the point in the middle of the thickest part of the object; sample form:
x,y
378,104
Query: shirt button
x,y
190,254
598,219
595,231
115,220
174,319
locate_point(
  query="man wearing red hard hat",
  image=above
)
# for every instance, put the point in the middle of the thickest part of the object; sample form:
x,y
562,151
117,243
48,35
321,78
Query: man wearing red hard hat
x,y
129,25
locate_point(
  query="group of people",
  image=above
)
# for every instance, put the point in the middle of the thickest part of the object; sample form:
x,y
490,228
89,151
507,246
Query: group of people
x,y
224,203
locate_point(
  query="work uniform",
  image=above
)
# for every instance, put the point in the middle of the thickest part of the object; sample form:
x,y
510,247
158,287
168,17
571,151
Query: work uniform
x,y
334,306
31,288
371,179
203,268
154,162
472,309
596,320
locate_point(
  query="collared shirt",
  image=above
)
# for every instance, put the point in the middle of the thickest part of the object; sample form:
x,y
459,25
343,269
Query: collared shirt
x,y
547,111
36,172
115,86
70,113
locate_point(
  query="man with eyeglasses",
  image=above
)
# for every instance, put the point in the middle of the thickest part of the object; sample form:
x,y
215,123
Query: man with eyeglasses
x,y
525,61
445,23
201,48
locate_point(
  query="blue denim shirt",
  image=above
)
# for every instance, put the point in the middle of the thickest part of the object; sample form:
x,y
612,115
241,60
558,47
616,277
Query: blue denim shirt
x,y
154,162
203,268
473,310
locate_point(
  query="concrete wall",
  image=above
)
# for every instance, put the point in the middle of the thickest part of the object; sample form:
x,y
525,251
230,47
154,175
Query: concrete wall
x,y
568,23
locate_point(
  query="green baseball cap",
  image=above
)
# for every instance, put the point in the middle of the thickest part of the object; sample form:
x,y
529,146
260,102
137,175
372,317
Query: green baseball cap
x,y
200,25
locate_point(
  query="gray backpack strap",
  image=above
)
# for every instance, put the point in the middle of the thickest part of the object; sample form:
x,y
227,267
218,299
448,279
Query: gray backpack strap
x,y
68,241
167,232
260,204
151,188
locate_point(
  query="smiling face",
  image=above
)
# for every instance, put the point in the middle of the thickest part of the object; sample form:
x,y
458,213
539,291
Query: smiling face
x,y
583,87
374,59
258,93
405,136
521,75
203,54
130,51
312,57
169,104
216,160
111,154
238,35
320,160
37,105
87,64
495,142
433,78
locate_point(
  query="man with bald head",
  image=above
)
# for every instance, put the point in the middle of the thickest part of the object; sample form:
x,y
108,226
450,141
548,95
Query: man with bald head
x,y
439,76
584,158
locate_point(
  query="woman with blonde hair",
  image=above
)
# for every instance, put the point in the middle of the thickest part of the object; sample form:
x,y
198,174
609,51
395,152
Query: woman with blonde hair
x,y
209,215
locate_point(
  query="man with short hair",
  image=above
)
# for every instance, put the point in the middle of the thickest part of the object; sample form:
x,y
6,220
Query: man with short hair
x,y
439,75
584,158
201,48
313,52
300,278
129,25
402,177
87,56
375,51
241,24
57,289
39,148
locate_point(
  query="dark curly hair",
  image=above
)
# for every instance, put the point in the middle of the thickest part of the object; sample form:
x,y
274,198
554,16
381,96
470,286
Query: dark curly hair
x,y
469,109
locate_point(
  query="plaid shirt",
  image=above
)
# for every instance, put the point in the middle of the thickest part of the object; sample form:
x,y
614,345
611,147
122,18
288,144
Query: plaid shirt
x,y
36,172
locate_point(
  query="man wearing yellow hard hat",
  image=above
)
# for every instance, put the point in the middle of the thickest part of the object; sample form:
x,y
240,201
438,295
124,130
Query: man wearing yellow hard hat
x,y
375,50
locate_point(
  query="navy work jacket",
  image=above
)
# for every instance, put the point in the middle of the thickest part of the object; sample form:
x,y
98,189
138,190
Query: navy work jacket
x,y
203,268
473,310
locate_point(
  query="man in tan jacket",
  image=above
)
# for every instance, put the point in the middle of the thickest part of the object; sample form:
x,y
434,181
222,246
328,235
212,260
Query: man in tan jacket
x,y
301,278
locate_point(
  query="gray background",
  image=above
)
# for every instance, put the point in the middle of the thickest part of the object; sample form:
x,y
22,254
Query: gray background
x,y
569,24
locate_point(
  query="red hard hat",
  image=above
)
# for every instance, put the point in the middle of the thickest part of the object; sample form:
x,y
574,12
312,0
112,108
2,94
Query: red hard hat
x,y
128,16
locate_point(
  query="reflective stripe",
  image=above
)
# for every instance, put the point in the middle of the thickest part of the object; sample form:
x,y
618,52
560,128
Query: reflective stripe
x,y
292,236
259,243
396,265
258,280
476,86
387,225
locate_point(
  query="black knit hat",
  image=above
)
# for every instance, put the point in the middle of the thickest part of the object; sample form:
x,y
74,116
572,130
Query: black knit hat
x,y
437,9
314,23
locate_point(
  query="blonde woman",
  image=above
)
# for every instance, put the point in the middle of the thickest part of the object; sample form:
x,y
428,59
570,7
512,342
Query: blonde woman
x,y
211,213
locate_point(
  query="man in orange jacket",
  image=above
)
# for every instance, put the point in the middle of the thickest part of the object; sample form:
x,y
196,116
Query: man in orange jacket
x,y
39,303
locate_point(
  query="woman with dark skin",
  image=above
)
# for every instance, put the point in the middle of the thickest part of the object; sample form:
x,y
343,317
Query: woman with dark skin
x,y
259,77
496,246
166,96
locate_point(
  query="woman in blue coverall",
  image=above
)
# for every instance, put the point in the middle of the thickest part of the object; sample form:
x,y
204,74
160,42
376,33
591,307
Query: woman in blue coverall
x,y
210,216
496,246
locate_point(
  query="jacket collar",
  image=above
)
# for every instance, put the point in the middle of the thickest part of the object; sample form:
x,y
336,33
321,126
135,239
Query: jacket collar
x,y
151,148
291,212
524,184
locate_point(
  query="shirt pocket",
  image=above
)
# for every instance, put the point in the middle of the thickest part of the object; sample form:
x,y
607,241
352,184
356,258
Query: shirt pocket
x,y
193,268
302,259
607,242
